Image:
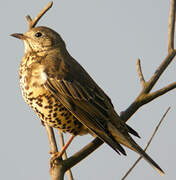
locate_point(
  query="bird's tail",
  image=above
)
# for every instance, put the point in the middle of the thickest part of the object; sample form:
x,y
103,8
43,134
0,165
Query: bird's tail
x,y
130,143
135,147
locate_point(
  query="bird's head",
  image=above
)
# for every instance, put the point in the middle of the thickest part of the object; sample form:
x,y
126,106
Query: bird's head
x,y
40,39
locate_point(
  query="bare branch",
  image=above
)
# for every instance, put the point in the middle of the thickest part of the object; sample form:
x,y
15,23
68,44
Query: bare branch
x,y
160,92
64,156
139,71
144,96
29,20
32,23
149,142
83,153
61,166
159,71
171,28
51,138
57,171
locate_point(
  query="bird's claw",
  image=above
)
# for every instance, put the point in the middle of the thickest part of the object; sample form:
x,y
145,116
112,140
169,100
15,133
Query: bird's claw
x,y
54,158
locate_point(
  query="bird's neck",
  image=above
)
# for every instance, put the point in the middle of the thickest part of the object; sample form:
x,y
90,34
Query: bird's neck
x,y
61,50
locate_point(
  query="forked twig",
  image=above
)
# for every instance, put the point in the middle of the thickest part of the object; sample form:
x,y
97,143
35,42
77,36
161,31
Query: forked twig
x,y
149,142
145,96
32,23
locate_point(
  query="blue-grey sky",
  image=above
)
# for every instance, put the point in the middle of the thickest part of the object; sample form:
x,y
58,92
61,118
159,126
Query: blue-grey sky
x,y
106,37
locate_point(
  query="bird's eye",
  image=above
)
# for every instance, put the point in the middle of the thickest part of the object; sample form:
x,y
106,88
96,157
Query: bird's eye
x,y
38,34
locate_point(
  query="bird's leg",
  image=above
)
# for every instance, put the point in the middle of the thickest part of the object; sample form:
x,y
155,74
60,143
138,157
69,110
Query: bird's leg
x,y
59,154
66,145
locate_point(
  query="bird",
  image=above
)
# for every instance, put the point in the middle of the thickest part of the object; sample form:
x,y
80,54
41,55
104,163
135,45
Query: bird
x,y
64,95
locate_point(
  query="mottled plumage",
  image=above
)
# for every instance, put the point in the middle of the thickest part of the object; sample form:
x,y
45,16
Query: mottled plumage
x,y
42,101
64,96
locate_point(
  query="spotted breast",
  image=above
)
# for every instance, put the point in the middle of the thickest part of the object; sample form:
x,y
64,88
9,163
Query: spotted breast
x,y
47,107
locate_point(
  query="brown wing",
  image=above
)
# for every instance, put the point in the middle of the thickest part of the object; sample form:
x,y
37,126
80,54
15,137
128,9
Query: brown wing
x,y
74,88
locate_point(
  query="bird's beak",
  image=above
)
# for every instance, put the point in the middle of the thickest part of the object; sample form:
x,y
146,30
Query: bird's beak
x,y
19,36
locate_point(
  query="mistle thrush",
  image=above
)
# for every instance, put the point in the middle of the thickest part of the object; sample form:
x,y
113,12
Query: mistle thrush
x,y
64,96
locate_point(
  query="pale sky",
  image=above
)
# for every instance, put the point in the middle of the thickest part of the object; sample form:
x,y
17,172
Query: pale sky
x,y
105,37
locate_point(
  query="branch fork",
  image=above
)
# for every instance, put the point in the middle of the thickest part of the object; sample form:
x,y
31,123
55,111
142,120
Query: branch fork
x,y
32,23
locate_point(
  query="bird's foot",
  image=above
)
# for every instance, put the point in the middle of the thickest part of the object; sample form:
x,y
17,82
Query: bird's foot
x,y
57,155
54,158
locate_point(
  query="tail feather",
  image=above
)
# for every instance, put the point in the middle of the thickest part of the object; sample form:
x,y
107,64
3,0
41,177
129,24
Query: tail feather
x,y
141,152
132,131
125,139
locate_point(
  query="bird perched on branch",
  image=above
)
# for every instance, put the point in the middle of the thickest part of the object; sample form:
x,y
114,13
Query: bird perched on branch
x,y
64,96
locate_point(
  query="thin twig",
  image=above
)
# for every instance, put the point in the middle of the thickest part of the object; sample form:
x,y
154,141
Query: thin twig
x,y
139,71
51,138
171,28
32,23
144,96
159,71
149,142
151,96
160,92
64,156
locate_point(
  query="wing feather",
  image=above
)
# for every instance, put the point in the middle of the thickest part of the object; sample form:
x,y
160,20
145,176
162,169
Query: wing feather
x,y
82,104
78,92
